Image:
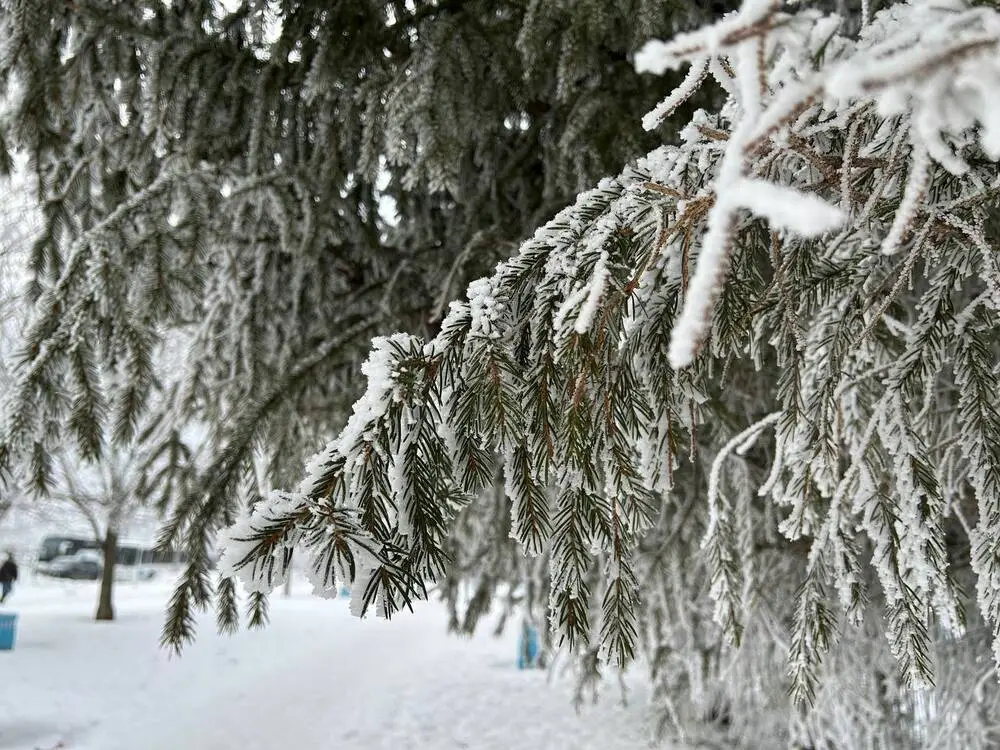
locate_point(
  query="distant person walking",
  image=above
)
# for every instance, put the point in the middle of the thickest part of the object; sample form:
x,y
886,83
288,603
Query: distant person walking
x,y
8,574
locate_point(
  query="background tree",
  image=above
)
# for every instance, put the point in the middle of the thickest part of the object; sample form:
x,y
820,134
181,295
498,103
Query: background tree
x,y
18,220
107,496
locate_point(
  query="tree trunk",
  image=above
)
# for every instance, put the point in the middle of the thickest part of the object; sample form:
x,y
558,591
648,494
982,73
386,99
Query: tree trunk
x,y
105,601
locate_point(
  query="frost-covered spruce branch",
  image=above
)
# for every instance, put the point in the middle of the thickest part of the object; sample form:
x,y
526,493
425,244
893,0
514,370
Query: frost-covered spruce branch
x,y
298,155
826,228
78,283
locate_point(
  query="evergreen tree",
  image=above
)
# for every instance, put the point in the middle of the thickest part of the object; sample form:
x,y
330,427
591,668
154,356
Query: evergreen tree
x,y
760,363
264,186
735,405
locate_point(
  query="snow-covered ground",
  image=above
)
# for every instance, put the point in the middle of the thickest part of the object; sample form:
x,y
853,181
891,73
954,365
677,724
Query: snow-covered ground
x,y
315,679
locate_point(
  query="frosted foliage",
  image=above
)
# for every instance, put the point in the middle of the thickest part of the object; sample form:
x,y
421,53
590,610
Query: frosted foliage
x,y
238,546
378,369
760,363
484,308
797,212
231,202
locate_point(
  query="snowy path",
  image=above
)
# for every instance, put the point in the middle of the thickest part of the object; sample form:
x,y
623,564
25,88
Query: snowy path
x,y
315,679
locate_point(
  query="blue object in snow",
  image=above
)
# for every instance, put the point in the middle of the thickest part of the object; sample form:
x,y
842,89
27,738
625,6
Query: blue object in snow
x,y
527,647
8,627
345,593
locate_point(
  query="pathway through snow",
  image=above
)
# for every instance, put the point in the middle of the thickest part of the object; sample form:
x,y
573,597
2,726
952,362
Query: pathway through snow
x,y
316,679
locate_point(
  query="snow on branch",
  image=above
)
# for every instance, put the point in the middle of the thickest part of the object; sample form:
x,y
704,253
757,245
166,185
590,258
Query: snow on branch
x,y
935,64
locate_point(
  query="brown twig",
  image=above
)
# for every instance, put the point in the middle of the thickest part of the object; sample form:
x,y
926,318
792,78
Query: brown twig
x,y
663,189
948,57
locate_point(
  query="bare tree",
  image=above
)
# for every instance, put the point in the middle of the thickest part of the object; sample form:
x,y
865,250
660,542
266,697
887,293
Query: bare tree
x,y
107,494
